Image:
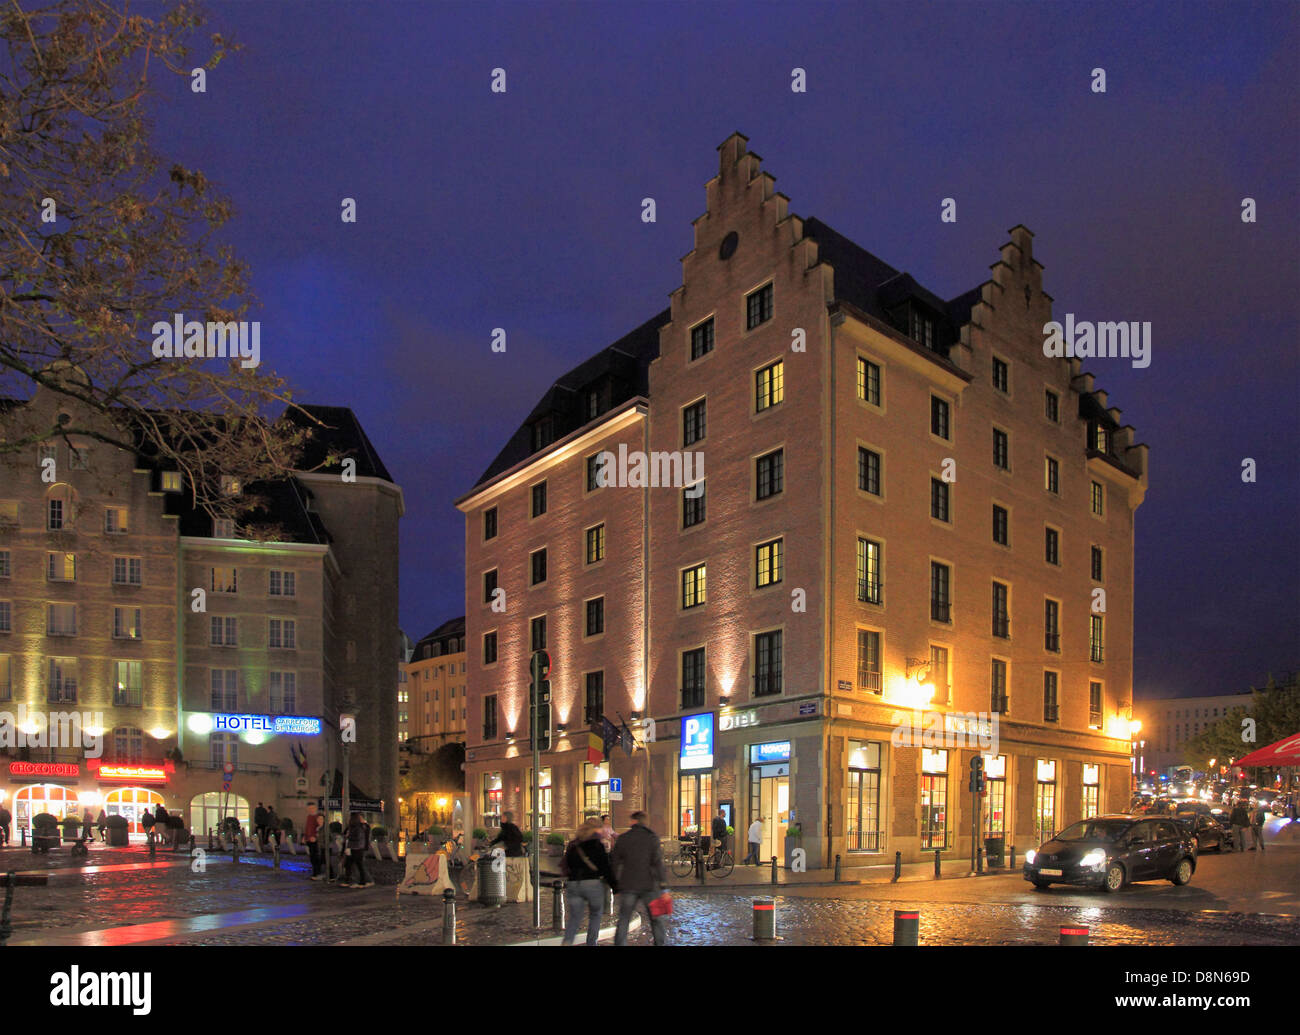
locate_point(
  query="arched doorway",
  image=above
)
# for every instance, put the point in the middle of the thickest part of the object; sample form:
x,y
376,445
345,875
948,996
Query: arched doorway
x,y
43,797
208,809
131,803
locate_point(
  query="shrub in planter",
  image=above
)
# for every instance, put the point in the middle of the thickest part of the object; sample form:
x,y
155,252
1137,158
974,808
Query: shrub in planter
x,y
479,833
45,824
117,830
555,839
435,831
528,837
71,828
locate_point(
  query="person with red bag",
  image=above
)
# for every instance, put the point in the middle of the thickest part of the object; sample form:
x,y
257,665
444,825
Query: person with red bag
x,y
638,863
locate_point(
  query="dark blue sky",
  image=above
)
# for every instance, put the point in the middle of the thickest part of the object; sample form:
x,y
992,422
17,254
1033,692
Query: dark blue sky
x,y
478,210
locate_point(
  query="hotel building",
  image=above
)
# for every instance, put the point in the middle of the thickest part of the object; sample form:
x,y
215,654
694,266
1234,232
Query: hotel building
x,y
435,684
905,509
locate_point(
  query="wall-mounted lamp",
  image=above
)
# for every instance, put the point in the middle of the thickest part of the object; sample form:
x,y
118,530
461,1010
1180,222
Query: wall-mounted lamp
x,y
723,701
510,737
561,729
920,669
636,716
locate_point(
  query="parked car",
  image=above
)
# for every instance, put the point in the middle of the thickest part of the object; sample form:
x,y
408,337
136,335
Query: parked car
x,y
1208,830
1110,851
1263,797
1280,804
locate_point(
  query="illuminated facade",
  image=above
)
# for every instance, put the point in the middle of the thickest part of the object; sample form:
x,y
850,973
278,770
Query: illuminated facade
x,y
437,708
907,510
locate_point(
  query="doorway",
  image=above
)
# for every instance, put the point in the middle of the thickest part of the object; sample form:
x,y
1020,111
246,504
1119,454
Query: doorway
x,y
769,798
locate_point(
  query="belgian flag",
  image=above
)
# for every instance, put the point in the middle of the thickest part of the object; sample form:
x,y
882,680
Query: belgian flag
x,y
595,748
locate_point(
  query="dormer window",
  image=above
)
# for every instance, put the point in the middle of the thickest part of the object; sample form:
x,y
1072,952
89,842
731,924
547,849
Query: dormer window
x,y
922,329
1101,438
543,433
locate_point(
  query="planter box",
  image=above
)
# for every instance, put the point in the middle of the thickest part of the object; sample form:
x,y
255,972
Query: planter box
x,y
791,843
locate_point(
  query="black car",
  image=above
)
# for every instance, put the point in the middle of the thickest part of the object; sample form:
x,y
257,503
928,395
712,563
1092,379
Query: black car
x,y
1110,851
1209,830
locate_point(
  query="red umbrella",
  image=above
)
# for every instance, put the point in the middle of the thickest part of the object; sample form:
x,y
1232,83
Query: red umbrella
x,y
1284,752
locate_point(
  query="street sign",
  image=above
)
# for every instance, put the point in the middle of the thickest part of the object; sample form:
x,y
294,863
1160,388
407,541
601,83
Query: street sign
x,y
615,785
228,769
615,795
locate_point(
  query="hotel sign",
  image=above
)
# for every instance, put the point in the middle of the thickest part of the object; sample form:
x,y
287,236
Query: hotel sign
x,y
697,742
737,720
65,770
299,725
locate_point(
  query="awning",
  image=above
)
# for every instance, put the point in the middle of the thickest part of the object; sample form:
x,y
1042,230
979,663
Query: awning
x,y
1284,752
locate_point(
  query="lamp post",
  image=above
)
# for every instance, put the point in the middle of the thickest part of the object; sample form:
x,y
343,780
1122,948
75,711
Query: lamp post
x,y
347,734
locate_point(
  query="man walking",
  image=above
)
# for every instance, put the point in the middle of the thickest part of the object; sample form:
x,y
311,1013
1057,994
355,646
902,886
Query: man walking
x,y
1240,820
357,841
638,864
1257,819
259,821
755,837
310,834
5,820
511,836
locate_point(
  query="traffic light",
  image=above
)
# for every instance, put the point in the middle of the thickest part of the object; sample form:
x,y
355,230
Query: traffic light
x,y
977,774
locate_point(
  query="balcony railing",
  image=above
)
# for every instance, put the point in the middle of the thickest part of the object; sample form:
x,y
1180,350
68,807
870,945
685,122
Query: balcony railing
x,y
869,681
940,610
999,704
128,697
1051,713
1052,640
1002,626
767,683
870,591
864,840
1096,652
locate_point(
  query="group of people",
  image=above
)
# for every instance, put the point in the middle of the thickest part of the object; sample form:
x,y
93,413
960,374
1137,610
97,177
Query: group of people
x,y
356,841
266,823
1242,817
631,864
90,824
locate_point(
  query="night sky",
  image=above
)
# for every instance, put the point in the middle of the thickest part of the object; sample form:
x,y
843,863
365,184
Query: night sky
x,y
479,210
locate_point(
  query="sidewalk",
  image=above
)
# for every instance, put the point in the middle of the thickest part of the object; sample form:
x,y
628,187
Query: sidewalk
x,y
759,877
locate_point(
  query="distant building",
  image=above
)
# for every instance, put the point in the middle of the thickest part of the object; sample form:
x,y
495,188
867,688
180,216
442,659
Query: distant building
x,y
405,647
1167,725
436,680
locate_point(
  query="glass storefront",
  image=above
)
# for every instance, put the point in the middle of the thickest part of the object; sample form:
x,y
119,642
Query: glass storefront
x,y
995,801
863,821
131,803
493,797
1091,791
1045,802
934,799
694,803
769,795
208,809
544,801
595,789
43,797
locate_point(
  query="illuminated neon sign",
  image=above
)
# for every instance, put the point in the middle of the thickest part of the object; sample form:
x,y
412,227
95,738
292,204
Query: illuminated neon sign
x,y
66,769
269,725
133,773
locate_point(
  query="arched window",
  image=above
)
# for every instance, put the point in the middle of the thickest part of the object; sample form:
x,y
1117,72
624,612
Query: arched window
x,y
128,744
60,507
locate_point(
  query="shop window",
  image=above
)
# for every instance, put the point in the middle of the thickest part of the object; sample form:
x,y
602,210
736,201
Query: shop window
x,y
863,820
1045,802
694,803
492,799
595,789
934,799
995,801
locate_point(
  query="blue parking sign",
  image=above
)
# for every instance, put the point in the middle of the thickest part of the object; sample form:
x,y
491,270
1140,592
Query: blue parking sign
x,y
615,785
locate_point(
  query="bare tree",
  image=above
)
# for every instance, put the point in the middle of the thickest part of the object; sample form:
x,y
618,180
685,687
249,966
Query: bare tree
x,y
102,241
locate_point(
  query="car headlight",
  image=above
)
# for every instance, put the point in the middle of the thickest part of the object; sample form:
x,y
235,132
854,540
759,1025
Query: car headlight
x,y
1030,856
1096,857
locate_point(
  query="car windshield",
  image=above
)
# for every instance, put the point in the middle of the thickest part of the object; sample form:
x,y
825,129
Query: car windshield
x,y
1094,830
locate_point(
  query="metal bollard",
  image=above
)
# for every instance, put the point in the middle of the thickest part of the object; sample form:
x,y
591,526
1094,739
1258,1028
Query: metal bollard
x,y
275,856
24,829
774,869
907,925
898,865
449,917
765,921
1074,936
938,868
151,846
1011,858
211,845
557,905
837,866
699,866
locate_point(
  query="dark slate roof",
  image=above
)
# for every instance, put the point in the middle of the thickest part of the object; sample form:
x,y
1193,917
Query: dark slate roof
x,y
453,628
284,504
622,370
339,432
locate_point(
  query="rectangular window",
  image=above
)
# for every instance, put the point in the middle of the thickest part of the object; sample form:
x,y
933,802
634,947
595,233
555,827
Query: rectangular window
x,y
61,567
998,687
593,404
940,604
1052,546
61,620
868,381
543,433
224,631
869,671
995,783
1001,376
934,799
126,571
702,339
596,616
1051,709
284,692
593,709
6,564
223,528
537,564
490,523
1051,625
1053,482
694,422
1000,534
1001,450
694,803
1095,645
539,499
6,678
171,481
769,386
1045,802
62,686
595,544
770,470
55,515
694,510
594,467
938,417
537,632
283,583
1001,614
282,634
939,674
490,717
115,520
1101,438
595,789
868,471
224,580
758,307
922,329
1053,410
693,586
769,563
489,585
938,499
1098,499
767,663
128,684
1096,564
1094,705
6,616
863,830
869,584
693,678
126,623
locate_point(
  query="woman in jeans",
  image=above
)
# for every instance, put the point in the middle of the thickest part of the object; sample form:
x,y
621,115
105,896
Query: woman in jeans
x,y
586,867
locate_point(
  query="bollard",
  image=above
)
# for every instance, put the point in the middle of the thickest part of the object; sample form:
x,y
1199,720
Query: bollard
x,y
938,869
898,865
557,906
275,856
449,917
765,921
699,865
837,866
1011,857
24,829
151,846
211,845
774,869
234,851
907,925
1074,936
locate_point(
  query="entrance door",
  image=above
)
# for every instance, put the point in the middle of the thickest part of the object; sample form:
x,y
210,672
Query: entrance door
x,y
132,803
770,799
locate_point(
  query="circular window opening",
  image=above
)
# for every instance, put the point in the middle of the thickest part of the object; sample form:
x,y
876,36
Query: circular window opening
x,y
728,248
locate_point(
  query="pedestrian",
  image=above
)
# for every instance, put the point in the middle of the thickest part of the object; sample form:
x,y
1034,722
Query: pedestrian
x,y
310,830
719,837
356,841
5,819
511,836
272,825
87,825
1257,819
586,870
102,824
607,835
755,838
638,865
259,821
161,822
147,821
1240,820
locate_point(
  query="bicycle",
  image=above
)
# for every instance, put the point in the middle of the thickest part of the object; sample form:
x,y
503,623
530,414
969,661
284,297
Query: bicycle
x,y
719,863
